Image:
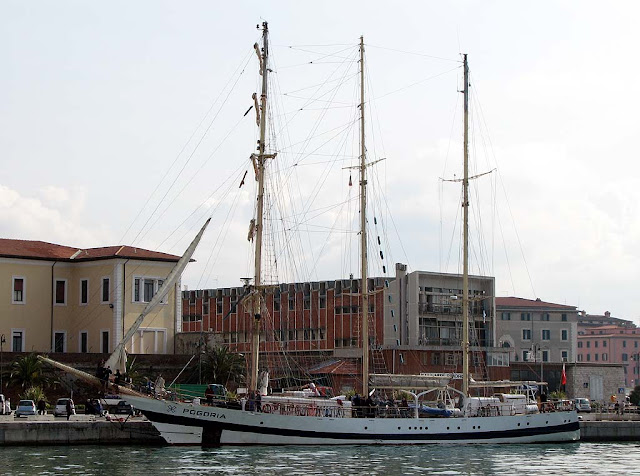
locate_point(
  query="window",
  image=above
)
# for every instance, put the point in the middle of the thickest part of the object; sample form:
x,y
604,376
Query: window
x,y
61,292
148,288
605,357
106,292
84,342
546,334
292,302
565,355
17,340
145,288
526,334
59,341
595,357
205,307
544,316
219,306
579,344
588,344
564,318
579,357
564,334
18,296
506,316
436,358
525,355
104,341
604,343
588,357
595,344
84,291
545,356
525,316
625,357
323,302
624,343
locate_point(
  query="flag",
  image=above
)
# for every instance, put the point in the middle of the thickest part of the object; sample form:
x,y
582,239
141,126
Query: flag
x,y
563,379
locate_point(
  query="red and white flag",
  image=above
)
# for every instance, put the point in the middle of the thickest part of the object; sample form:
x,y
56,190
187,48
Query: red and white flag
x,y
563,379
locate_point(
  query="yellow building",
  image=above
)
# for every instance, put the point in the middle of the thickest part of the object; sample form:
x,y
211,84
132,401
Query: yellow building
x,y
62,299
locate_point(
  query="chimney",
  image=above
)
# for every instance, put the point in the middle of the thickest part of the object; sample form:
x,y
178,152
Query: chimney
x,y
607,314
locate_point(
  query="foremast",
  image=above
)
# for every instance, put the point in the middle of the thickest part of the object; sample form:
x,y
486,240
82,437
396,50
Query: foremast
x,y
364,289
259,161
465,233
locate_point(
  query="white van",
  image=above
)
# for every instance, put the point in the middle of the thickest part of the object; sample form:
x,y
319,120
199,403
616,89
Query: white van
x,y
5,406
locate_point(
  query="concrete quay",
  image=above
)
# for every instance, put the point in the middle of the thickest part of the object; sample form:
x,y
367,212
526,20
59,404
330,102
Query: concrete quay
x,y
78,430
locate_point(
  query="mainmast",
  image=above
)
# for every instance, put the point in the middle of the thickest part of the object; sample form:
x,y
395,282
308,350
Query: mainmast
x,y
465,265
259,159
364,289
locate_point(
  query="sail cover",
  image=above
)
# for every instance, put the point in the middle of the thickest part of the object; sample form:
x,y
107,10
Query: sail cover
x,y
118,359
407,381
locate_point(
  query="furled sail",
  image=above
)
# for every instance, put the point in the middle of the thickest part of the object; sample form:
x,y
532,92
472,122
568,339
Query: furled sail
x,y
118,359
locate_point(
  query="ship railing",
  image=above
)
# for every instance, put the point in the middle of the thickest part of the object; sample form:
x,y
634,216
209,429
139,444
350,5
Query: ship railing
x,y
312,410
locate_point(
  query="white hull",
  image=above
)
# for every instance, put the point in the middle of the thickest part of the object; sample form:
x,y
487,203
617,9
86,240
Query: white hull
x,y
187,424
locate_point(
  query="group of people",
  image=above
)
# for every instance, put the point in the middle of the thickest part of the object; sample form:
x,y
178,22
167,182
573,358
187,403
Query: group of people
x,y
374,407
104,374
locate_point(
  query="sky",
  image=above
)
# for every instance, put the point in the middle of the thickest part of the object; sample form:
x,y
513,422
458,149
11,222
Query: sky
x,y
121,123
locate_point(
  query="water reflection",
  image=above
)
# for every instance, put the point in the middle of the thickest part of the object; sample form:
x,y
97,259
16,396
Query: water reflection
x,y
580,458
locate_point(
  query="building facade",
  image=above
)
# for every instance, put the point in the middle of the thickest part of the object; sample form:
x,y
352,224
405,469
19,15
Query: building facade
x,y
62,299
537,331
612,344
415,324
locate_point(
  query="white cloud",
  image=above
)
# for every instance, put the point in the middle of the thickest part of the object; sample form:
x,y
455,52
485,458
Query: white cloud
x,y
56,217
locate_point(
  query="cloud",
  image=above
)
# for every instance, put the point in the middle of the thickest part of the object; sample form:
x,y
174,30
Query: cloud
x,y
56,216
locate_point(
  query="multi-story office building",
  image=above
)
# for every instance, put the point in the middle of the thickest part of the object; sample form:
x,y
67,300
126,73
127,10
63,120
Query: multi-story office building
x,y
536,331
63,299
415,322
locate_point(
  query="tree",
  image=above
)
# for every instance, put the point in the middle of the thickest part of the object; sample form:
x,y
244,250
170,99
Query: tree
x,y
34,393
634,396
28,372
221,366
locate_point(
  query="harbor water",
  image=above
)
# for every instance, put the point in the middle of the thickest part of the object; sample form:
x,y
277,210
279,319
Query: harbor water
x,y
551,459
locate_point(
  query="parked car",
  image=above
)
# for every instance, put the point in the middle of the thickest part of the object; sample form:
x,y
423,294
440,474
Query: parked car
x,y
25,407
583,405
94,407
124,408
61,407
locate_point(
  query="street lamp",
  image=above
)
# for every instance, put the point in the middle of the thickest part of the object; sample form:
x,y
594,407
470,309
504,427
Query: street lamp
x,y
2,341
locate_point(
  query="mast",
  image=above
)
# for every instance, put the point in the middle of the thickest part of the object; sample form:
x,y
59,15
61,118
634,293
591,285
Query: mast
x,y
465,265
363,235
260,162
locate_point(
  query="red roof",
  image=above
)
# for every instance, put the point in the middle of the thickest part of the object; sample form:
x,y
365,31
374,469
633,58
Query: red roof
x,y
50,251
339,367
508,302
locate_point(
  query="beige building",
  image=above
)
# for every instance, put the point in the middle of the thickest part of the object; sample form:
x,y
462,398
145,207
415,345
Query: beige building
x,y
62,299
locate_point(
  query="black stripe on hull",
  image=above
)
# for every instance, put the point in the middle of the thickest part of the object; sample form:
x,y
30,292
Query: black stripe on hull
x,y
218,426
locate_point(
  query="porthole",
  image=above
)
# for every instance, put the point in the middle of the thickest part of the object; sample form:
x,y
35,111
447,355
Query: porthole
x,y
447,428
518,424
421,428
528,423
398,428
458,428
366,427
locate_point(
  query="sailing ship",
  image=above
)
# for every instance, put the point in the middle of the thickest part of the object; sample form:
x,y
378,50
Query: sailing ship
x,y
304,418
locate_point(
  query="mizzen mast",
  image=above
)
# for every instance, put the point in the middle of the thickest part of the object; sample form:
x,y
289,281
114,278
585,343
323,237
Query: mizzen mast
x,y
259,162
364,289
465,261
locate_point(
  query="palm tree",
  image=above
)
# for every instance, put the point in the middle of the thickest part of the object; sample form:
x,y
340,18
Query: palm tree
x,y
28,372
221,366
